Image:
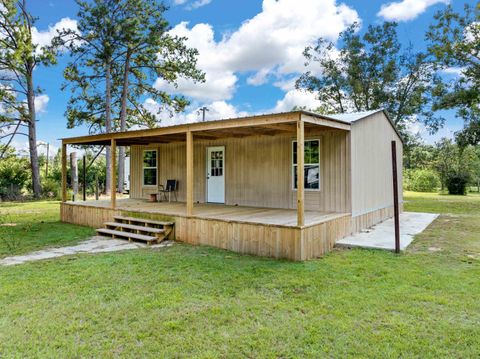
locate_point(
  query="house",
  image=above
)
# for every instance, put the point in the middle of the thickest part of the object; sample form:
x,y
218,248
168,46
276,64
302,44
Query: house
x,y
285,185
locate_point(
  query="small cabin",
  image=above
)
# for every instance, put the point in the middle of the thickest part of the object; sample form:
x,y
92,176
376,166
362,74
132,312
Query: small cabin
x,y
285,185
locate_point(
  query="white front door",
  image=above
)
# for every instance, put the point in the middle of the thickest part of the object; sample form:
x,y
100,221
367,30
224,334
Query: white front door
x,y
216,174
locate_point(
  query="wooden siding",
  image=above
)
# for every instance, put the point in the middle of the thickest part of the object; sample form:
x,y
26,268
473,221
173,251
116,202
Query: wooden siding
x,y
258,171
371,168
89,216
277,241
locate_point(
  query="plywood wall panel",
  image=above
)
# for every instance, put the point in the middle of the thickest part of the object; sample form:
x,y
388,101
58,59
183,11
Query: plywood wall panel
x,y
258,171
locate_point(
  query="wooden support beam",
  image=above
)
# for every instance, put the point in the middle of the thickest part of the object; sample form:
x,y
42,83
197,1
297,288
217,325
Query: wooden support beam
x,y
189,173
64,172
395,197
74,174
300,173
113,172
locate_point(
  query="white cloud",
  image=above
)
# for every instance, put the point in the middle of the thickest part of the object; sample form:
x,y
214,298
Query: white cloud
x,y
447,131
270,43
41,102
259,78
296,98
198,3
406,10
220,81
217,110
44,38
179,2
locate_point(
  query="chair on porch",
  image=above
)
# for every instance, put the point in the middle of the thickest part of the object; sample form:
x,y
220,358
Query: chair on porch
x,y
170,187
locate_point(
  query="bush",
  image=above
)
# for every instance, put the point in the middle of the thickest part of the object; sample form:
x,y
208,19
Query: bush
x,y
457,184
14,175
51,189
421,180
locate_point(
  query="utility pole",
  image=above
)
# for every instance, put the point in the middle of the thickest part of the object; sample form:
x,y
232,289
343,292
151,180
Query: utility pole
x,y
203,110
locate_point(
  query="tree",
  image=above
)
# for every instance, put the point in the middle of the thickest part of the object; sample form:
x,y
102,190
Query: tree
x,y
146,52
123,47
455,43
89,74
371,72
19,57
446,155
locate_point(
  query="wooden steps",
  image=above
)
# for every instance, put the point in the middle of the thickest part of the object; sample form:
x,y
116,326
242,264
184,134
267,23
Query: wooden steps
x,y
137,229
122,219
116,225
126,235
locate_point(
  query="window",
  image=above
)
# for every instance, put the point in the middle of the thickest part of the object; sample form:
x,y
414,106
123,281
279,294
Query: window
x,y
311,166
150,167
216,163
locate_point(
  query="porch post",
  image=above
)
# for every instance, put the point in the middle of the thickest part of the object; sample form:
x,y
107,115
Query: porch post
x,y
64,172
113,172
189,173
300,173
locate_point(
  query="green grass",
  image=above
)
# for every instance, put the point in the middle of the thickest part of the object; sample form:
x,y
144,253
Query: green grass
x,y
28,226
189,301
442,203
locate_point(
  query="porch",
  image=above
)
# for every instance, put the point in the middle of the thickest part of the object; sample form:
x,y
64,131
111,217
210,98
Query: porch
x,y
272,201
241,214
268,232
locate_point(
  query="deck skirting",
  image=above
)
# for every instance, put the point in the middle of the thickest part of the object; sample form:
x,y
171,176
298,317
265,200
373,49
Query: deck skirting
x,y
268,240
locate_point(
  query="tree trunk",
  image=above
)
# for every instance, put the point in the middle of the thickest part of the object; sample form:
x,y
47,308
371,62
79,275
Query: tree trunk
x,y
123,122
32,135
108,119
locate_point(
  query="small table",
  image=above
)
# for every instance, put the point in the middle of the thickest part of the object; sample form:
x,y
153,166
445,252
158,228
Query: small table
x,y
153,197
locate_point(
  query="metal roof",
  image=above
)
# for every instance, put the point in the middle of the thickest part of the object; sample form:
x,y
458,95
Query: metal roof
x,y
353,116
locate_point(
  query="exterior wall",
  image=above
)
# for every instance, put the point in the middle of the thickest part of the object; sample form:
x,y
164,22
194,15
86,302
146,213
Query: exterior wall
x,y
258,171
371,168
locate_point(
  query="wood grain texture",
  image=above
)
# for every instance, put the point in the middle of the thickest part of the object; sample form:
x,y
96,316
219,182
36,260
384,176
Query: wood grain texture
x,y
258,170
300,173
64,172
113,173
190,172
229,228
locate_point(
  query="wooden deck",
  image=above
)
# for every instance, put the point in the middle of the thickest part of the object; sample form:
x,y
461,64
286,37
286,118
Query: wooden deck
x,y
241,214
267,232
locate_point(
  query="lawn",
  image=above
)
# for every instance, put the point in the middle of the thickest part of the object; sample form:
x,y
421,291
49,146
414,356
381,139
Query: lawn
x,y
28,226
187,301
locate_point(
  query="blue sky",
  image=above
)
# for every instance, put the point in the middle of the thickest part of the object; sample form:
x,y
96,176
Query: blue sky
x,y
250,50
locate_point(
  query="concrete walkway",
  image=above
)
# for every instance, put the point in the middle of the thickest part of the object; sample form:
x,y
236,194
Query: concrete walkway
x,y
96,244
382,235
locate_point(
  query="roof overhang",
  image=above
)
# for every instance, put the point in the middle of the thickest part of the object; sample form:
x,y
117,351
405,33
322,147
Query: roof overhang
x,y
271,125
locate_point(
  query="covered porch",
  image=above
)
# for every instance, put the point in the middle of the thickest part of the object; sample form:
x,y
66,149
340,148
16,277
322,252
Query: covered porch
x,y
267,209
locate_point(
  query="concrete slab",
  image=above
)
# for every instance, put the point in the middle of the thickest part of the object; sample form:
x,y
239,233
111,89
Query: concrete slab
x,y
382,235
96,244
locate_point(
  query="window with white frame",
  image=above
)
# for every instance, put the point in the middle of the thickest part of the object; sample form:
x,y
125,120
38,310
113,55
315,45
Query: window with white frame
x,y
150,167
311,165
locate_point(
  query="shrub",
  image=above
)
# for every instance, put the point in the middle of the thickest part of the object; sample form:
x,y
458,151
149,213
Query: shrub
x,y
14,175
51,188
457,184
421,180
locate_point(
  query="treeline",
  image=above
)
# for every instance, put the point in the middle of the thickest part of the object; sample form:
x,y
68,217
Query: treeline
x,y
117,51
444,166
16,182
